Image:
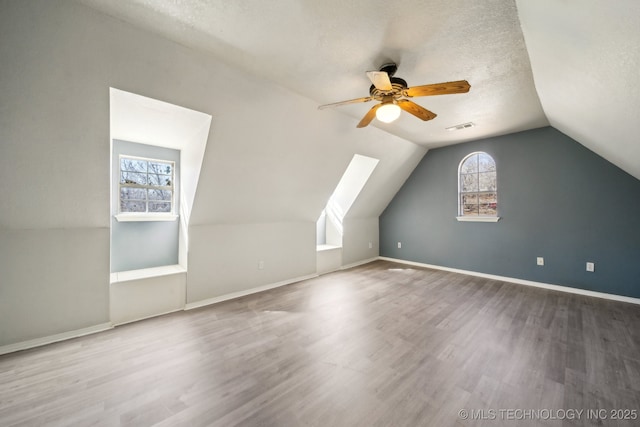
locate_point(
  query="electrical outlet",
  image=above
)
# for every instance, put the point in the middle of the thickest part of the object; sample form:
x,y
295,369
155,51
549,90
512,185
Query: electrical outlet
x,y
260,265
370,245
399,245
591,267
540,260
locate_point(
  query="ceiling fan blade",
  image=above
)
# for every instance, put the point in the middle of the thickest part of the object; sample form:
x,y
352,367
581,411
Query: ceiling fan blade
x,y
460,86
380,79
351,101
369,116
415,109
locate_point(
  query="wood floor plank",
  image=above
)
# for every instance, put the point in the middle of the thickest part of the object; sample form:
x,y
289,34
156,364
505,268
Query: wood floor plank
x,y
377,345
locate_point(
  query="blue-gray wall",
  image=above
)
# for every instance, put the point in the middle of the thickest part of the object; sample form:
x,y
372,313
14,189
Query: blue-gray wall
x,y
137,245
556,199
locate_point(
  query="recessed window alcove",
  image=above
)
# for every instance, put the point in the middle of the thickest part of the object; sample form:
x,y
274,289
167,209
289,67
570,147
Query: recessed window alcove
x,y
329,227
144,284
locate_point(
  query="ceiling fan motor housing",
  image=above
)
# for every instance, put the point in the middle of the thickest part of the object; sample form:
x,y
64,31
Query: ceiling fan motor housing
x,y
398,85
389,68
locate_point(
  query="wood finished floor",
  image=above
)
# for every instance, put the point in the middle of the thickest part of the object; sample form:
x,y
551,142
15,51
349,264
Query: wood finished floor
x,y
378,345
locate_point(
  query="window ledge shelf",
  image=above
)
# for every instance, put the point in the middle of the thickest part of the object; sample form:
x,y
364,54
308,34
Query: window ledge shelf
x,y
146,273
145,217
320,248
478,218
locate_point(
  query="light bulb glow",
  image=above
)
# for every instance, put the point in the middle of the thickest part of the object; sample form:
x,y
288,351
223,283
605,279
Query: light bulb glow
x,y
388,112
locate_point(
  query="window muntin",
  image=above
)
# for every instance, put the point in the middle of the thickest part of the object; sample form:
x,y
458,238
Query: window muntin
x,y
477,189
146,185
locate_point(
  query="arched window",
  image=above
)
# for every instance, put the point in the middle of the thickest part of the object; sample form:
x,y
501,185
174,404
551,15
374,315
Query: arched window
x,y
477,189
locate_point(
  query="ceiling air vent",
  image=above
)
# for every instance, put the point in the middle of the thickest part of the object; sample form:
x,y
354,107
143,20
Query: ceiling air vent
x,y
461,126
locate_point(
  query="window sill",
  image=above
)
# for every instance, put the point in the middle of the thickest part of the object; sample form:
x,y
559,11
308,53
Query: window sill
x,y
478,218
320,248
146,273
145,217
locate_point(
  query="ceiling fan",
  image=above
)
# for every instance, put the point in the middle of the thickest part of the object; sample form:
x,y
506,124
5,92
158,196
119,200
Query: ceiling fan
x,y
391,91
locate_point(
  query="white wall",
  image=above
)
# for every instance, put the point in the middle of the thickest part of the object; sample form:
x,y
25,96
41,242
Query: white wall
x,y
358,233
52,281
226,258
271,163
140,294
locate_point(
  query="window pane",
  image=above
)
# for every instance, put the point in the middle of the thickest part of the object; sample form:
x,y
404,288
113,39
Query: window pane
x,y
159,207
469,210
488,197
132,206
486,163
133,165
478,186
160,168
469,199
469,183
159,195
470,165
133,193
488,209
160,180
487,181
133,178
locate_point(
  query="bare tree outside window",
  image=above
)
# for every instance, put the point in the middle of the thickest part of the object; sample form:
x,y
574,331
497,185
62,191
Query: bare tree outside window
x,y
477,189
146,185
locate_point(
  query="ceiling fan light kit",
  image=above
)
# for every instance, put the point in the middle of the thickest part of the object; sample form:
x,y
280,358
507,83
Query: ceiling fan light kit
x,y
388,112
392,91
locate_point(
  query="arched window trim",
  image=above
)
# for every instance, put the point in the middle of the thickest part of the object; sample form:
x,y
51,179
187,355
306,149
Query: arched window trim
x,y
473,218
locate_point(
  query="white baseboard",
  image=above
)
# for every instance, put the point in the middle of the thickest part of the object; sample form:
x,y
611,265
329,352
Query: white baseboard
x,y
24,345
37,342
359,263
552,287
151,316
234,295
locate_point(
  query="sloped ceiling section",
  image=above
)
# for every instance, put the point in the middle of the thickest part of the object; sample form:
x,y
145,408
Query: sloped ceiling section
x,y
322,49
585,57
582,55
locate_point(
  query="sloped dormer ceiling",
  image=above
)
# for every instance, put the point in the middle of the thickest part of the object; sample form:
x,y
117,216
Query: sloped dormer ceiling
x,y
583,55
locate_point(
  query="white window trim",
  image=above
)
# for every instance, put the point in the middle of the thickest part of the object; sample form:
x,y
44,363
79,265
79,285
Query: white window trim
x,y
133,217
148,216
477,218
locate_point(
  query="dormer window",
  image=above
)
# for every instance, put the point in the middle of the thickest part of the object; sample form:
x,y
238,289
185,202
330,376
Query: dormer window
x,y
146,186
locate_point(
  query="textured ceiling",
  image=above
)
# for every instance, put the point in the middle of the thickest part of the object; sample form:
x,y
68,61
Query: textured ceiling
x,y
584,54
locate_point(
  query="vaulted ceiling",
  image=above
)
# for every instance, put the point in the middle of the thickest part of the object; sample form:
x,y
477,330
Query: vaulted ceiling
x,y
572,64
